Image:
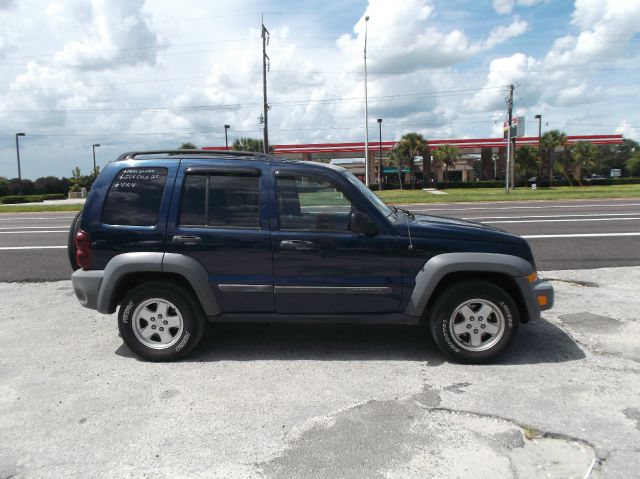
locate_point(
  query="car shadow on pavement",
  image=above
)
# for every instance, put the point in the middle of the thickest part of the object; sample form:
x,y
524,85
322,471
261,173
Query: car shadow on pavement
x,y
538,342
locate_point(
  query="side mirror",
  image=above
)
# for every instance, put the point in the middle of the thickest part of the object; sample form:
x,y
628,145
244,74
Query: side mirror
x,y
361,224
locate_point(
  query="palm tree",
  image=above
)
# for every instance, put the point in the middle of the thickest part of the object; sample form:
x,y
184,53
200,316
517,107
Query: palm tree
x,y
526,160
549,141
412,145
583,156
249,144
446,155
395,158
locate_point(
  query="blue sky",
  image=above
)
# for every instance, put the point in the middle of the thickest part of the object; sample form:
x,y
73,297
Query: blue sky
x,y
136,74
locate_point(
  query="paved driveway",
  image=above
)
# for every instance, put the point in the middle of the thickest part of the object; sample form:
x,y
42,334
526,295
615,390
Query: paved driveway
x,y
322,401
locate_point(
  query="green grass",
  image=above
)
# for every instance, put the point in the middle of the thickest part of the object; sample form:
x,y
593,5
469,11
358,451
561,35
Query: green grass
x,y
38,208
521,194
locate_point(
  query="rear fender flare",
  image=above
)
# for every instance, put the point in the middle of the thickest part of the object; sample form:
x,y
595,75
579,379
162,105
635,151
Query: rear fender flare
x,y
146,262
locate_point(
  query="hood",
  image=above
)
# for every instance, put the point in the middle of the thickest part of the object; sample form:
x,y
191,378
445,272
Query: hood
x,y
427,226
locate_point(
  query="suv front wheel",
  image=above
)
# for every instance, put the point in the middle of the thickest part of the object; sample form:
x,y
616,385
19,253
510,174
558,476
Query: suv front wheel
x,y
160,321
474,321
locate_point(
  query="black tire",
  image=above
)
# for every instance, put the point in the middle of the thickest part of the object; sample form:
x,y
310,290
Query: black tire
x,y
71,244
459,347
186,306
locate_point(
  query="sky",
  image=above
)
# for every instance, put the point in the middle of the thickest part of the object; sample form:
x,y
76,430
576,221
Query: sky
x,y
136,74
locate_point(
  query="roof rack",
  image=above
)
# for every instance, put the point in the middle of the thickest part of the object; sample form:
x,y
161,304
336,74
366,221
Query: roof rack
x,y
188,152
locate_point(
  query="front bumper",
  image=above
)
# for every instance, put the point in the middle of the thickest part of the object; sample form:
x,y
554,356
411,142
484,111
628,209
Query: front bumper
x,y
538,296
86,285
543,292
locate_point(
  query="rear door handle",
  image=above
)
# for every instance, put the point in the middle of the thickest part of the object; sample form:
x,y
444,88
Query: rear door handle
x,y
299,245
186,239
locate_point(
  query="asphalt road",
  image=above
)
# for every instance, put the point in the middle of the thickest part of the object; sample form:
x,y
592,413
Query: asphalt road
x,y
564,235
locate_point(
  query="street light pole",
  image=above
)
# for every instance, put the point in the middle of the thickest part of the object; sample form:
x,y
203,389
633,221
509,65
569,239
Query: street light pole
x,y
539,118
366,107
380,155
226,141
95,171
18,155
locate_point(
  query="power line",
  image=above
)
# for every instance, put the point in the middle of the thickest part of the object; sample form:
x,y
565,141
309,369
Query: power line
x,y
252,105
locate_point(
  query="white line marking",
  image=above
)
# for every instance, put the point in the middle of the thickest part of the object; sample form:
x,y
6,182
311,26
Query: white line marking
x,y
29,227
31,218
581,235
545,216
562,221
29,232
540,207
4,248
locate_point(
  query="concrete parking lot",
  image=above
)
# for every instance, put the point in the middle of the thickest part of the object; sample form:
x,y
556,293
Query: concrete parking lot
x,y
323,401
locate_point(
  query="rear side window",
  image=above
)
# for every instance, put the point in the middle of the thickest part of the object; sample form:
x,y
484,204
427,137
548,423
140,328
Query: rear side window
x,y
226,200
134,197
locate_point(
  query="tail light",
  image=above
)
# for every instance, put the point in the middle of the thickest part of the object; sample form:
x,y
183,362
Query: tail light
x,y
83,249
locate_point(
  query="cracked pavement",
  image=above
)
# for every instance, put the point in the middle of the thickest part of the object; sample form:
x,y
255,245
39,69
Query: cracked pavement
x,y
323,401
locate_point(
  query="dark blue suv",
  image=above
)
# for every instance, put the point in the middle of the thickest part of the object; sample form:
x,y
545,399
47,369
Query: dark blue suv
x,y
174,239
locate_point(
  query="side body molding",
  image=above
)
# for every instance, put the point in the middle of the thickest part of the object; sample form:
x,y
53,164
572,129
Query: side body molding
x,y
439,266
128,263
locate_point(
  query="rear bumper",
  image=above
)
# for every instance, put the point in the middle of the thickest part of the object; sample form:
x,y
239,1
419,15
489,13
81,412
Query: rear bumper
x,y
86,285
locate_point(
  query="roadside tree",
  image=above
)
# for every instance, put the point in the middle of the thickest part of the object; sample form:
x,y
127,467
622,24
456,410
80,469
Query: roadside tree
x,y
632,165
404,154
583,157
527,161
549,142
249,144
446,155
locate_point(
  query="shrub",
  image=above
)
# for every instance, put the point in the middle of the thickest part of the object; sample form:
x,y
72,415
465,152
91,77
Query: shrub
x,y
54,196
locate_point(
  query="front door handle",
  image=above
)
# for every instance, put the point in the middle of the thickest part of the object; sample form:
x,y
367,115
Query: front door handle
x,y
299,245
186,239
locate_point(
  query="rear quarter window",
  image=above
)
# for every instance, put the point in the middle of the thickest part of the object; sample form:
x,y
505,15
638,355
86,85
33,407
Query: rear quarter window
x,y
135,196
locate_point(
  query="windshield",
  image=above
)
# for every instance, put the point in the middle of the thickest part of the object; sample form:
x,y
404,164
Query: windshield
x,y
380,205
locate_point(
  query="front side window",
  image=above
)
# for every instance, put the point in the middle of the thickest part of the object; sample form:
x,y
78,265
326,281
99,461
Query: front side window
x,y
135,196
221,200
307,203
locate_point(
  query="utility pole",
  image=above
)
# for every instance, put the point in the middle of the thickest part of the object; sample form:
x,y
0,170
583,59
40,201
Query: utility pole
x,y
508,168
226,140
18,155
93,147
380,155
265,59
366,108
539,118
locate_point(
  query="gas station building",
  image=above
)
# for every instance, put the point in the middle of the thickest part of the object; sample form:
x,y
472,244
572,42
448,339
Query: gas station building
x,y
492,153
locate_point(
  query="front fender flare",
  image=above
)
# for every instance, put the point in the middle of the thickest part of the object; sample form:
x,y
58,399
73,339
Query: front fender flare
x,y
439,266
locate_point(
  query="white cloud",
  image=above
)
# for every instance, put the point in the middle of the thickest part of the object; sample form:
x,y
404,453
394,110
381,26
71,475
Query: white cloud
x,y
575,95
502,72
502,34
507,6
419,42
607,26
628,131
110,55
117,34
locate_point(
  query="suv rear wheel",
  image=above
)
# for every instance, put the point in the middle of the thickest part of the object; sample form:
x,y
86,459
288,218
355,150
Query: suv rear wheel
x,y
474,321
160,321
